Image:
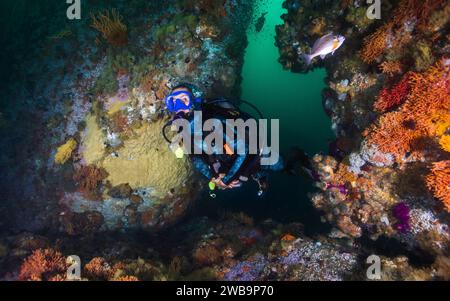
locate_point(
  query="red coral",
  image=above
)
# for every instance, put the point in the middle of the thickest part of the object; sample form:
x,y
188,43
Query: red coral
x,y
390,98
43,265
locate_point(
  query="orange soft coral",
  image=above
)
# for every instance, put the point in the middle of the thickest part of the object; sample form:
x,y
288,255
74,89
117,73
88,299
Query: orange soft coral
x,y
394,31
98,269
391,67
375,44
445,142
418,10
408,129
395,134
429,96
112,28
438,181
43,265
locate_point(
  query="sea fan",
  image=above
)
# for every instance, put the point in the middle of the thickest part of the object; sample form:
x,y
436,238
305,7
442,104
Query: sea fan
x,y
112,28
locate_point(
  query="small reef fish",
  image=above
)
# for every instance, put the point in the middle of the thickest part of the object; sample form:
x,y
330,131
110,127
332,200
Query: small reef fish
x,y
260,22
324,46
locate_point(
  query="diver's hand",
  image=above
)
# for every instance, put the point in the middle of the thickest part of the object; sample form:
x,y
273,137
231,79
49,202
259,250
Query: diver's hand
x,y
221,185
235,184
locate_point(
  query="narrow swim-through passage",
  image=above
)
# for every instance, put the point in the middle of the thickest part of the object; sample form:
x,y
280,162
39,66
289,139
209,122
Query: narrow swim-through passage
x,y
294,99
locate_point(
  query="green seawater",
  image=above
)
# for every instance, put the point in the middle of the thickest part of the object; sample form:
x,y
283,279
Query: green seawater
x,y
294,99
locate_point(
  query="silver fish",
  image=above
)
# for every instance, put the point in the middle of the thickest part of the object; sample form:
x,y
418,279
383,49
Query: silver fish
x,y
322,47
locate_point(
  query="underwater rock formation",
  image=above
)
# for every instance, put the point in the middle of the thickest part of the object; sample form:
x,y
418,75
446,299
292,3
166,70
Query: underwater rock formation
x,y
233,247
92,92
388,98
96,159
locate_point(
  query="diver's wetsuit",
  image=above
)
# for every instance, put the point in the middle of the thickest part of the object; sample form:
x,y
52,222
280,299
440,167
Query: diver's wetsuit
x,y
235,166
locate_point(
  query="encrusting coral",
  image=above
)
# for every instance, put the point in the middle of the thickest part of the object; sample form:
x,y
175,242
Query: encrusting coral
x,y
110,25
127,278
401,212
141,162
65,151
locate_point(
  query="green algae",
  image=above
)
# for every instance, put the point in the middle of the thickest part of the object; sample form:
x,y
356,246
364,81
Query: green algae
x,y
164,31
107,81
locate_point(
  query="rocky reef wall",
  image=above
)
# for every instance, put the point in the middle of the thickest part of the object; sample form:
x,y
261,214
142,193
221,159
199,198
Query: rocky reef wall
x,y
387,174
82,111
80,122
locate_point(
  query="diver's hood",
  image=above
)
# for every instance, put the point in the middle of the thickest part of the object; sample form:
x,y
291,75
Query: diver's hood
x,y
173,104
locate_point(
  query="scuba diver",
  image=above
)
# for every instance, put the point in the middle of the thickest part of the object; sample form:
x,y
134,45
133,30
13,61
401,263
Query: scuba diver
x,y
228,169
